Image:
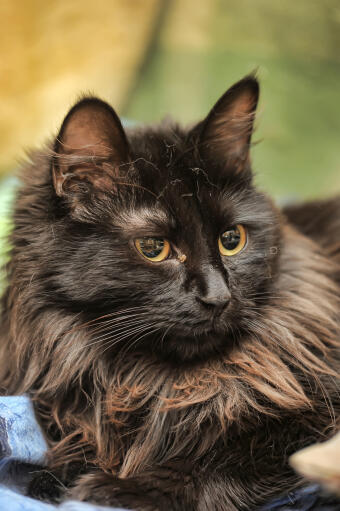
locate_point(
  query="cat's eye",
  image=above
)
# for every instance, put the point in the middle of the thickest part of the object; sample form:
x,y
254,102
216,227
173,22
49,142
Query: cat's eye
x,y
232,241
153,249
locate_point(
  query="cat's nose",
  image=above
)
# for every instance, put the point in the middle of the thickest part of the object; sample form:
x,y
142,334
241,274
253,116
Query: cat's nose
x,y
216,300
216,293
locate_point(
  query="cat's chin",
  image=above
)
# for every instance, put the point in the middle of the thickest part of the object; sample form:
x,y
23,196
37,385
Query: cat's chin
x,y
185,348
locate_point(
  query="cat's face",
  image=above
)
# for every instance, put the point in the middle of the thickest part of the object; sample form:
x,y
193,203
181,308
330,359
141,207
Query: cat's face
x,y
163,232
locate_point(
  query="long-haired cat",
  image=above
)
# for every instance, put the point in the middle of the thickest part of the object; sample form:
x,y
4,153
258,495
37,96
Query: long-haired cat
x,y
178,333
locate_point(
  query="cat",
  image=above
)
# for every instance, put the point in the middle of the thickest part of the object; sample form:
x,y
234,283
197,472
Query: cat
x,y
178,333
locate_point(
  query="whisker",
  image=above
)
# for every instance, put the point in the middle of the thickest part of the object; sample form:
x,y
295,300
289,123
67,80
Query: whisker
x,y
113,333
122,326
130,346
133,331
166,332
120,319
83,325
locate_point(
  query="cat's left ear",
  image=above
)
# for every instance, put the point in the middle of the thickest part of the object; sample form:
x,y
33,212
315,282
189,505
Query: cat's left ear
x,y
226,132
89,150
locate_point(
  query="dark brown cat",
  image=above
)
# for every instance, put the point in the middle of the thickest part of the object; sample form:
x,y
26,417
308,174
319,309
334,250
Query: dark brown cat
x,y
178,334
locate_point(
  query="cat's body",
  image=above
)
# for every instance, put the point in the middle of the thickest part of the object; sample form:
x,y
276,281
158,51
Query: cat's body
x,y
182,383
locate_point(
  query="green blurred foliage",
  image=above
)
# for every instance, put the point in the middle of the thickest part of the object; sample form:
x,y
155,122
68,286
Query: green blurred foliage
x,y
294,48
7,193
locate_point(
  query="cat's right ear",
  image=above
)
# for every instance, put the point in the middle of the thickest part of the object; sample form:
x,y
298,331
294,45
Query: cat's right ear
x,y
90,149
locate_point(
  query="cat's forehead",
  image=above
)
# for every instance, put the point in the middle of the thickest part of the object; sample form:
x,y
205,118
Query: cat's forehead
x,y
142,218
172,211
180,188
162,149
167,163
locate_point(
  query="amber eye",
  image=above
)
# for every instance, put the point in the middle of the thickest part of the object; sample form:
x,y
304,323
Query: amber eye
x,y
154,249
232,241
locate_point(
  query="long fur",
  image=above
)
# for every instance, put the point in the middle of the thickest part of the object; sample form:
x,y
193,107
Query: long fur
x,y
288,360
212,432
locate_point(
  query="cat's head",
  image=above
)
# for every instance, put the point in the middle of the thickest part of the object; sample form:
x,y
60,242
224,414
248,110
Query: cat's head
x,y
160,230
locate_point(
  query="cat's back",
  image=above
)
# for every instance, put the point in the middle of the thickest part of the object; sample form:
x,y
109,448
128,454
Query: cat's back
x,y
320,221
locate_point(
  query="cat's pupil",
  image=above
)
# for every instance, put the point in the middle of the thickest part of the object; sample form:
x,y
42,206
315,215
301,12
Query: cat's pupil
x,y
231,239
151,247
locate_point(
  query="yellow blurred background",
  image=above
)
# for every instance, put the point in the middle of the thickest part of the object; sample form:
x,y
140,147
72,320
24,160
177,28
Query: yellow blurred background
x,y
52,51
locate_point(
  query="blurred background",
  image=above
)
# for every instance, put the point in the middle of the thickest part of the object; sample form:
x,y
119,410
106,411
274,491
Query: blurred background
x,y
150,58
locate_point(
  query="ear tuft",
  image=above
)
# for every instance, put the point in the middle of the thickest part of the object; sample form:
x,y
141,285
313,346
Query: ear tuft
x,y
89,148
226,132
